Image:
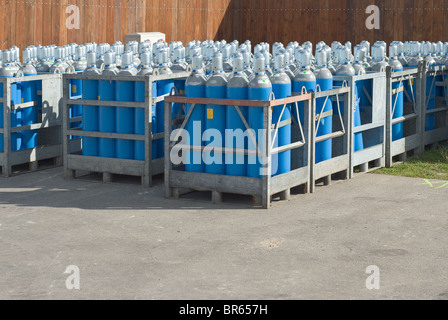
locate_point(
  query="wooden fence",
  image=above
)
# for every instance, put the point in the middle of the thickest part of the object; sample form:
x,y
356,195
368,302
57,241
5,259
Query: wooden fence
x,y
26,22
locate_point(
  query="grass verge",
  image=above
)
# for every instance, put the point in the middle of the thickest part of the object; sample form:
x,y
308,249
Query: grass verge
x,y
432,164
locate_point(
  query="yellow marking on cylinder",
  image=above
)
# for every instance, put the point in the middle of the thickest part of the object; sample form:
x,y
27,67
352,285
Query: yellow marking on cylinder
x,y
210,114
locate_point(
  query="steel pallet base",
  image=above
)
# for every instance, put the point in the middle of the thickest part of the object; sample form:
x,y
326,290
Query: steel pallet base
x,y
370,166
30,157
217,196
219,184
109,167
406,155
322,174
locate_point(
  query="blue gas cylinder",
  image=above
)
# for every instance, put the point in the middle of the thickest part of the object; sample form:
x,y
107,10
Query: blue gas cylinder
x,y
16,121
303,80
16,118
260,88
430,96
397,102
125,91
107,116
409,85
29,115
195,88
348,71
282,88
324,149
215,121
76,110
237,88
90,114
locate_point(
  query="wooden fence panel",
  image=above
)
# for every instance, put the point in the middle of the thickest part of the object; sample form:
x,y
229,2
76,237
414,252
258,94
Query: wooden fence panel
x,y
40,22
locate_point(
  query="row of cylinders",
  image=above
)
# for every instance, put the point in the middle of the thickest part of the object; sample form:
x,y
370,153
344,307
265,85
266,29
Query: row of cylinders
x,y
21,92
125,120
238,85
54,59
308,72
233,57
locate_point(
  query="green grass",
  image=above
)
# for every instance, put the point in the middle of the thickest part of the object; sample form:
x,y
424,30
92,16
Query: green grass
x,y
430,165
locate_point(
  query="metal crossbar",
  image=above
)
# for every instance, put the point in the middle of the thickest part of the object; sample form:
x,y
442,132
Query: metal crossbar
x,y
237,104
334,134
277,126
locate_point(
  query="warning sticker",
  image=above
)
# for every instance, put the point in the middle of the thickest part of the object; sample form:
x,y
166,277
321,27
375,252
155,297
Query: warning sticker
x,y
210,114
74,88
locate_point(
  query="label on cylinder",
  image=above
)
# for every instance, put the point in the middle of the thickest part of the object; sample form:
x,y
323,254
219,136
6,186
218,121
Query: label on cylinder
x,y
210,114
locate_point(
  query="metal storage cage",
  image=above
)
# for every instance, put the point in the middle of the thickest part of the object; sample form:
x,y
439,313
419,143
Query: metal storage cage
x,y
373,112
48,125
75,161
440,112
413,112
341,138
261,189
